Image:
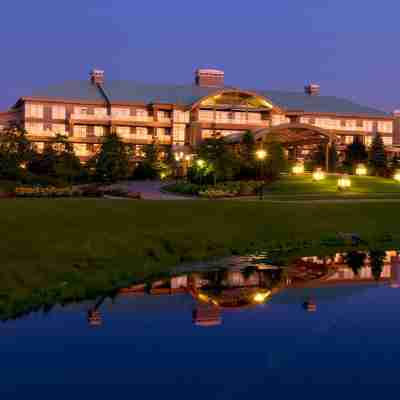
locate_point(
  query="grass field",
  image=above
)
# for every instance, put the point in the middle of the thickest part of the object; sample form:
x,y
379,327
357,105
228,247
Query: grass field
x,y
360,185
77,247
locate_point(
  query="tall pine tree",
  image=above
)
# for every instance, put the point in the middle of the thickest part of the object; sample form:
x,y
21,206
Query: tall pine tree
x,y
377,156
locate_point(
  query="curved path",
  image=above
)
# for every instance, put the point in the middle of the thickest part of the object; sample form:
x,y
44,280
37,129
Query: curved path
x,y
151,190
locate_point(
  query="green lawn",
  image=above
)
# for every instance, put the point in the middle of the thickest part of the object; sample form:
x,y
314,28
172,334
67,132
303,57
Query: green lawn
x,y
78,246
365,186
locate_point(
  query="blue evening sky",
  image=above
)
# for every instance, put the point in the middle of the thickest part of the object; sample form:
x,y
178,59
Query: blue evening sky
x,y
350,47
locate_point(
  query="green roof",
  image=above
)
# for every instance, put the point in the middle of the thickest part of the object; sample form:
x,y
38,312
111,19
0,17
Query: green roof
x,y
185,95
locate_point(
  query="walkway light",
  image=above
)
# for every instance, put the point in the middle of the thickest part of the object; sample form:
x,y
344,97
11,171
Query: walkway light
x,y
261,154
298,168
260,297
179,156
344,182
396,176
163,175
361,170
318,174
200,163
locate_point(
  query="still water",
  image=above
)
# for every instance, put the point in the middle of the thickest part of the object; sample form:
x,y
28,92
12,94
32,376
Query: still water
x,y
247,329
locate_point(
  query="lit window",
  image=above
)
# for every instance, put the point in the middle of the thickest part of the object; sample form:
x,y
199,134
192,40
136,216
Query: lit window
x,y
59,128
58,112
80,131
99,131
120,112
100,112
34,110
34,128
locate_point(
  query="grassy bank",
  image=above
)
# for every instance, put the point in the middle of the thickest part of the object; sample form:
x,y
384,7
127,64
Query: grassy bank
x,y
76,247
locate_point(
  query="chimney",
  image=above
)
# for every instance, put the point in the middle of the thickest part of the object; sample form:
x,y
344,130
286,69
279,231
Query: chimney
x,y
312,89
209,78
97,77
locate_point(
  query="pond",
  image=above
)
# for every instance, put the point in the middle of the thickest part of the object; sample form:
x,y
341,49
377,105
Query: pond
x,y
248,328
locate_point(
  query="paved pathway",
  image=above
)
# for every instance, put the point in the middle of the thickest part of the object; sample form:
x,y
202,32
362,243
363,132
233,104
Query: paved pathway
x,y
151,190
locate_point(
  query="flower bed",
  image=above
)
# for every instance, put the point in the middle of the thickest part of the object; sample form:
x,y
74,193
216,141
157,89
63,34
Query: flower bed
x,y
223,189
38,191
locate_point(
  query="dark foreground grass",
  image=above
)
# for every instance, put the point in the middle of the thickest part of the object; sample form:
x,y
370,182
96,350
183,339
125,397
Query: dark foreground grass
x,y
70,249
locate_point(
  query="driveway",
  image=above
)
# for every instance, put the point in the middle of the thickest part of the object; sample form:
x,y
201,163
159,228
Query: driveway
x,y
151,190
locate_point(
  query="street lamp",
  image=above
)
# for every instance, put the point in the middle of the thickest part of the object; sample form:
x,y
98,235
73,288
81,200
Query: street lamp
x,y
200,163
396,176
261,154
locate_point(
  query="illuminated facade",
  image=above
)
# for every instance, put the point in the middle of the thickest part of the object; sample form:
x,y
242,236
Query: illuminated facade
x,y
182,116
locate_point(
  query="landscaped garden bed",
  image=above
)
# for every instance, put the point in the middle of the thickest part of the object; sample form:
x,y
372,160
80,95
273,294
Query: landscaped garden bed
x,y
220,190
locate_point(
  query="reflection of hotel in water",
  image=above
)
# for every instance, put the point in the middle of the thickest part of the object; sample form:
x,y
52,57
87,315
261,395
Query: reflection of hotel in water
x,y
238,289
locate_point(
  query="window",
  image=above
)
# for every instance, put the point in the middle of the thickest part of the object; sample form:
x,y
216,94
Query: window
x,y
349,139
254,117
59,128
81,110
80,131
141,133
179,133
206,115
124,131
101,112
120,112
80,149
387,141
311,121
34,110
141,113
343,123
39,146
163,115
34,128
58,112
368,140
181,116
359,123
99,131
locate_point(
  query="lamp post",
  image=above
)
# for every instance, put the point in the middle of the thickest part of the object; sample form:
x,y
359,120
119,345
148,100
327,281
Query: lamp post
x,y
261,154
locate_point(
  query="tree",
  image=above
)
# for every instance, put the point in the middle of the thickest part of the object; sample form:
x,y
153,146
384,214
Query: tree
x,y
111,163
220,160
377,156
58,161
275,161
15,151
356,153
355,260
248,167
376,260
333,157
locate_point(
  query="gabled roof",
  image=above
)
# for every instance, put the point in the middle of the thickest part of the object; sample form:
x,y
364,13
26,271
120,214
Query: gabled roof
x,y
186,95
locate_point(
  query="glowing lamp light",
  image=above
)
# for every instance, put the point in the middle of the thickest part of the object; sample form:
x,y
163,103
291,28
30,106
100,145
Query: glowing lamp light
x,y
178,156
396,176
200,163
318,174
298,169
261,297
163,175
261,154
361,170
344,182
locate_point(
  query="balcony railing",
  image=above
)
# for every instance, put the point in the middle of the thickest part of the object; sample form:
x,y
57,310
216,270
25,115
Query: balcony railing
x,y
234,121
90,117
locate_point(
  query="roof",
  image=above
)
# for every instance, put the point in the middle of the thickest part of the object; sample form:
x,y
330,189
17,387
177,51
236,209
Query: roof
x,y
186,95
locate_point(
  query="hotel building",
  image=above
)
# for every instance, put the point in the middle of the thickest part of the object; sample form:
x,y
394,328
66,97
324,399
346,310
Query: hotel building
x,y
182,116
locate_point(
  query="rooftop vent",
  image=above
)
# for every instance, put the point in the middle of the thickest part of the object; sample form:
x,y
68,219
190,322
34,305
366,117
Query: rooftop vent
x,y
97,76
209,77
312,89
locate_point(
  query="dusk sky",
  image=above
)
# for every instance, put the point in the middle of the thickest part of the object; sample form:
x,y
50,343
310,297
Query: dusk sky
x,y
349,47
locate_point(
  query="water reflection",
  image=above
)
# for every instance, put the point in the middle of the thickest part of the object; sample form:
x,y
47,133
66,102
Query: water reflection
x,y
248,282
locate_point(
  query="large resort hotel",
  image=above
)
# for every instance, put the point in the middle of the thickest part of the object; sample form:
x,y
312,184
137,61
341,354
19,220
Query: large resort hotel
x,y
182,116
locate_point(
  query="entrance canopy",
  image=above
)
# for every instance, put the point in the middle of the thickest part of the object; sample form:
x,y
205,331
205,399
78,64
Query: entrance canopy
x,y
293,134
